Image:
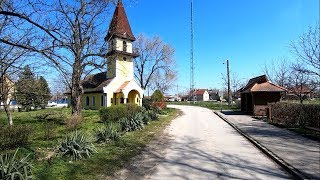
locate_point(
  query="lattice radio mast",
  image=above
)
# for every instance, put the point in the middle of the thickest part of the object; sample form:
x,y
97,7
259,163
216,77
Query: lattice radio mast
x,y
192,85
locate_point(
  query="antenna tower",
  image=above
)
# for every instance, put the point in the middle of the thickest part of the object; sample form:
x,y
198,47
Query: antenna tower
x,y
192,85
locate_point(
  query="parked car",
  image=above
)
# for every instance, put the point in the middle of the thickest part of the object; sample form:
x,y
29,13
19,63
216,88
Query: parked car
x,y
62,103
51,104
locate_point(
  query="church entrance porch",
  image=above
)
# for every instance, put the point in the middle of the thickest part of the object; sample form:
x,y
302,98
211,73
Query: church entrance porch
x,y
134,97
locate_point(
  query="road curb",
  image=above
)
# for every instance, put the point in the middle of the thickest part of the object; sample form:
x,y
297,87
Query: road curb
x,y
295,173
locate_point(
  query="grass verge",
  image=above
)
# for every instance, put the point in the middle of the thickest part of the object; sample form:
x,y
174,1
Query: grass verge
x,y
208,104
110,157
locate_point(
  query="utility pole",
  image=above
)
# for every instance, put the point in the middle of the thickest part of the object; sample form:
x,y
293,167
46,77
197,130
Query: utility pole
x,y
228,74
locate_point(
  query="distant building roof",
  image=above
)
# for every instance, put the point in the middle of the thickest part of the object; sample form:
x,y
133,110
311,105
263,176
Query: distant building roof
x,y
303,89
119,25
199,91
261,84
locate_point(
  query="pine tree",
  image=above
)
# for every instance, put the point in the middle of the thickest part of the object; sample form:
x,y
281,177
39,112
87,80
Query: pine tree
x,y
26,89
43,92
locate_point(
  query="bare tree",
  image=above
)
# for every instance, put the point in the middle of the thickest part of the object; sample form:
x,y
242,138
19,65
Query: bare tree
x,y
69,34
235,82
307,50
12,59
279,72
301,84
155,56
163,80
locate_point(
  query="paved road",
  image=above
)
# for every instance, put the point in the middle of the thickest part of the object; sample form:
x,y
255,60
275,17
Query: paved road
x,y
205,147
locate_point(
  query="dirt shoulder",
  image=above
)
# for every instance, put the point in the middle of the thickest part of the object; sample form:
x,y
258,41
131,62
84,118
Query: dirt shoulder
x,y
143,165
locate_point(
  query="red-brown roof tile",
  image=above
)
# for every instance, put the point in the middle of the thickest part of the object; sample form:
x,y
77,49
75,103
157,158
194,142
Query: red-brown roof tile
x,y
266,87
122,86
261,84
119,25
199,91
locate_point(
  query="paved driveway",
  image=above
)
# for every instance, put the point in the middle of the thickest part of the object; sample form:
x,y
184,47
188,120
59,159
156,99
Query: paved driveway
x,y
205,147
300,152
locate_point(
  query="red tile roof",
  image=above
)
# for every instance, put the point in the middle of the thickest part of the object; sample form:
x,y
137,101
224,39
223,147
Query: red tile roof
x,y
199,91
301,89
261,84
122,86
267,87
119,25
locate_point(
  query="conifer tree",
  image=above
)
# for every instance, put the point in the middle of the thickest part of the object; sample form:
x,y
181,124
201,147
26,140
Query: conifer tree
x,y
26,89
43,92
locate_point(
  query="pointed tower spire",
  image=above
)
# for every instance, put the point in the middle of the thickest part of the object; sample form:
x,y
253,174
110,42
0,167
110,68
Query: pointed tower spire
x,y
119,25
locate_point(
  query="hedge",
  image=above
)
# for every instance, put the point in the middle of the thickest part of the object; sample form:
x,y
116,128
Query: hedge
x,y
291,114
116,112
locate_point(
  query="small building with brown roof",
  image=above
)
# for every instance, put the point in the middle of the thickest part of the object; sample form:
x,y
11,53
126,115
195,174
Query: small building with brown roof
x,y
201,95
256,95
117,85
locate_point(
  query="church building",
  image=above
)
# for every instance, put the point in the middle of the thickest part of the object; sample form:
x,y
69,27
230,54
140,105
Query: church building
x,y
117,85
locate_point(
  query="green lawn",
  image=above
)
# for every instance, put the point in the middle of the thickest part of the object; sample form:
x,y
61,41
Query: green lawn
x,y
110,156
208,104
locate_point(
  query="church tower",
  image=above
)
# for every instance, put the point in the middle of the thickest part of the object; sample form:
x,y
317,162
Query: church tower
x,y
120,51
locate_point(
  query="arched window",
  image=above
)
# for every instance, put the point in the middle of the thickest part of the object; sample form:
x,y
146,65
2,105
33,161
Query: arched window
x,y
102,100
124,43
87,101
93,101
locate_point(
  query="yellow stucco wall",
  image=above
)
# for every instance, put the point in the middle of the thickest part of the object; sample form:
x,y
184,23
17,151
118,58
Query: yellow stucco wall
x,y
97,97
134,97
120,68
125,68
119,45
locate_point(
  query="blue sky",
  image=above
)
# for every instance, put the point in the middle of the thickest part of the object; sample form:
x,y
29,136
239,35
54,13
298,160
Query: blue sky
x,y
250,33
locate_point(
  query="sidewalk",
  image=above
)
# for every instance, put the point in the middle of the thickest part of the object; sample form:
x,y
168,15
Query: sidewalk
x,y
301,153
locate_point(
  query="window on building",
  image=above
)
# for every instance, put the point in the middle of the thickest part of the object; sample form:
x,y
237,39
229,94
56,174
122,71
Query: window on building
x,y
124,59
93,101
102,100
87,101
121,100
124,43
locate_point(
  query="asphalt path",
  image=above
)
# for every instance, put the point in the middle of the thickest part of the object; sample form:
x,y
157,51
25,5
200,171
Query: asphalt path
x,y
205,147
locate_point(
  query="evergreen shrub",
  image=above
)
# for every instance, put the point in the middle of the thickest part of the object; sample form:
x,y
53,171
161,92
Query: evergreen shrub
x,y
14,136
117,112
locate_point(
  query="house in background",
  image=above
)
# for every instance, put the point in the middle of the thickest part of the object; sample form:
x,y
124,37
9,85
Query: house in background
x,y
201,95
214,94
117,84
6,90
256,95
300,92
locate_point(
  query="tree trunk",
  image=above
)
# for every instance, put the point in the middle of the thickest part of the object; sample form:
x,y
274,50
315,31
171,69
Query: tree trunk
x,y
76,90
7,110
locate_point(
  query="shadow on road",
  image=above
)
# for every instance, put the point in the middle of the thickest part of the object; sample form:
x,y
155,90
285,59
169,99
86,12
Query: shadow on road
x,y
218,165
